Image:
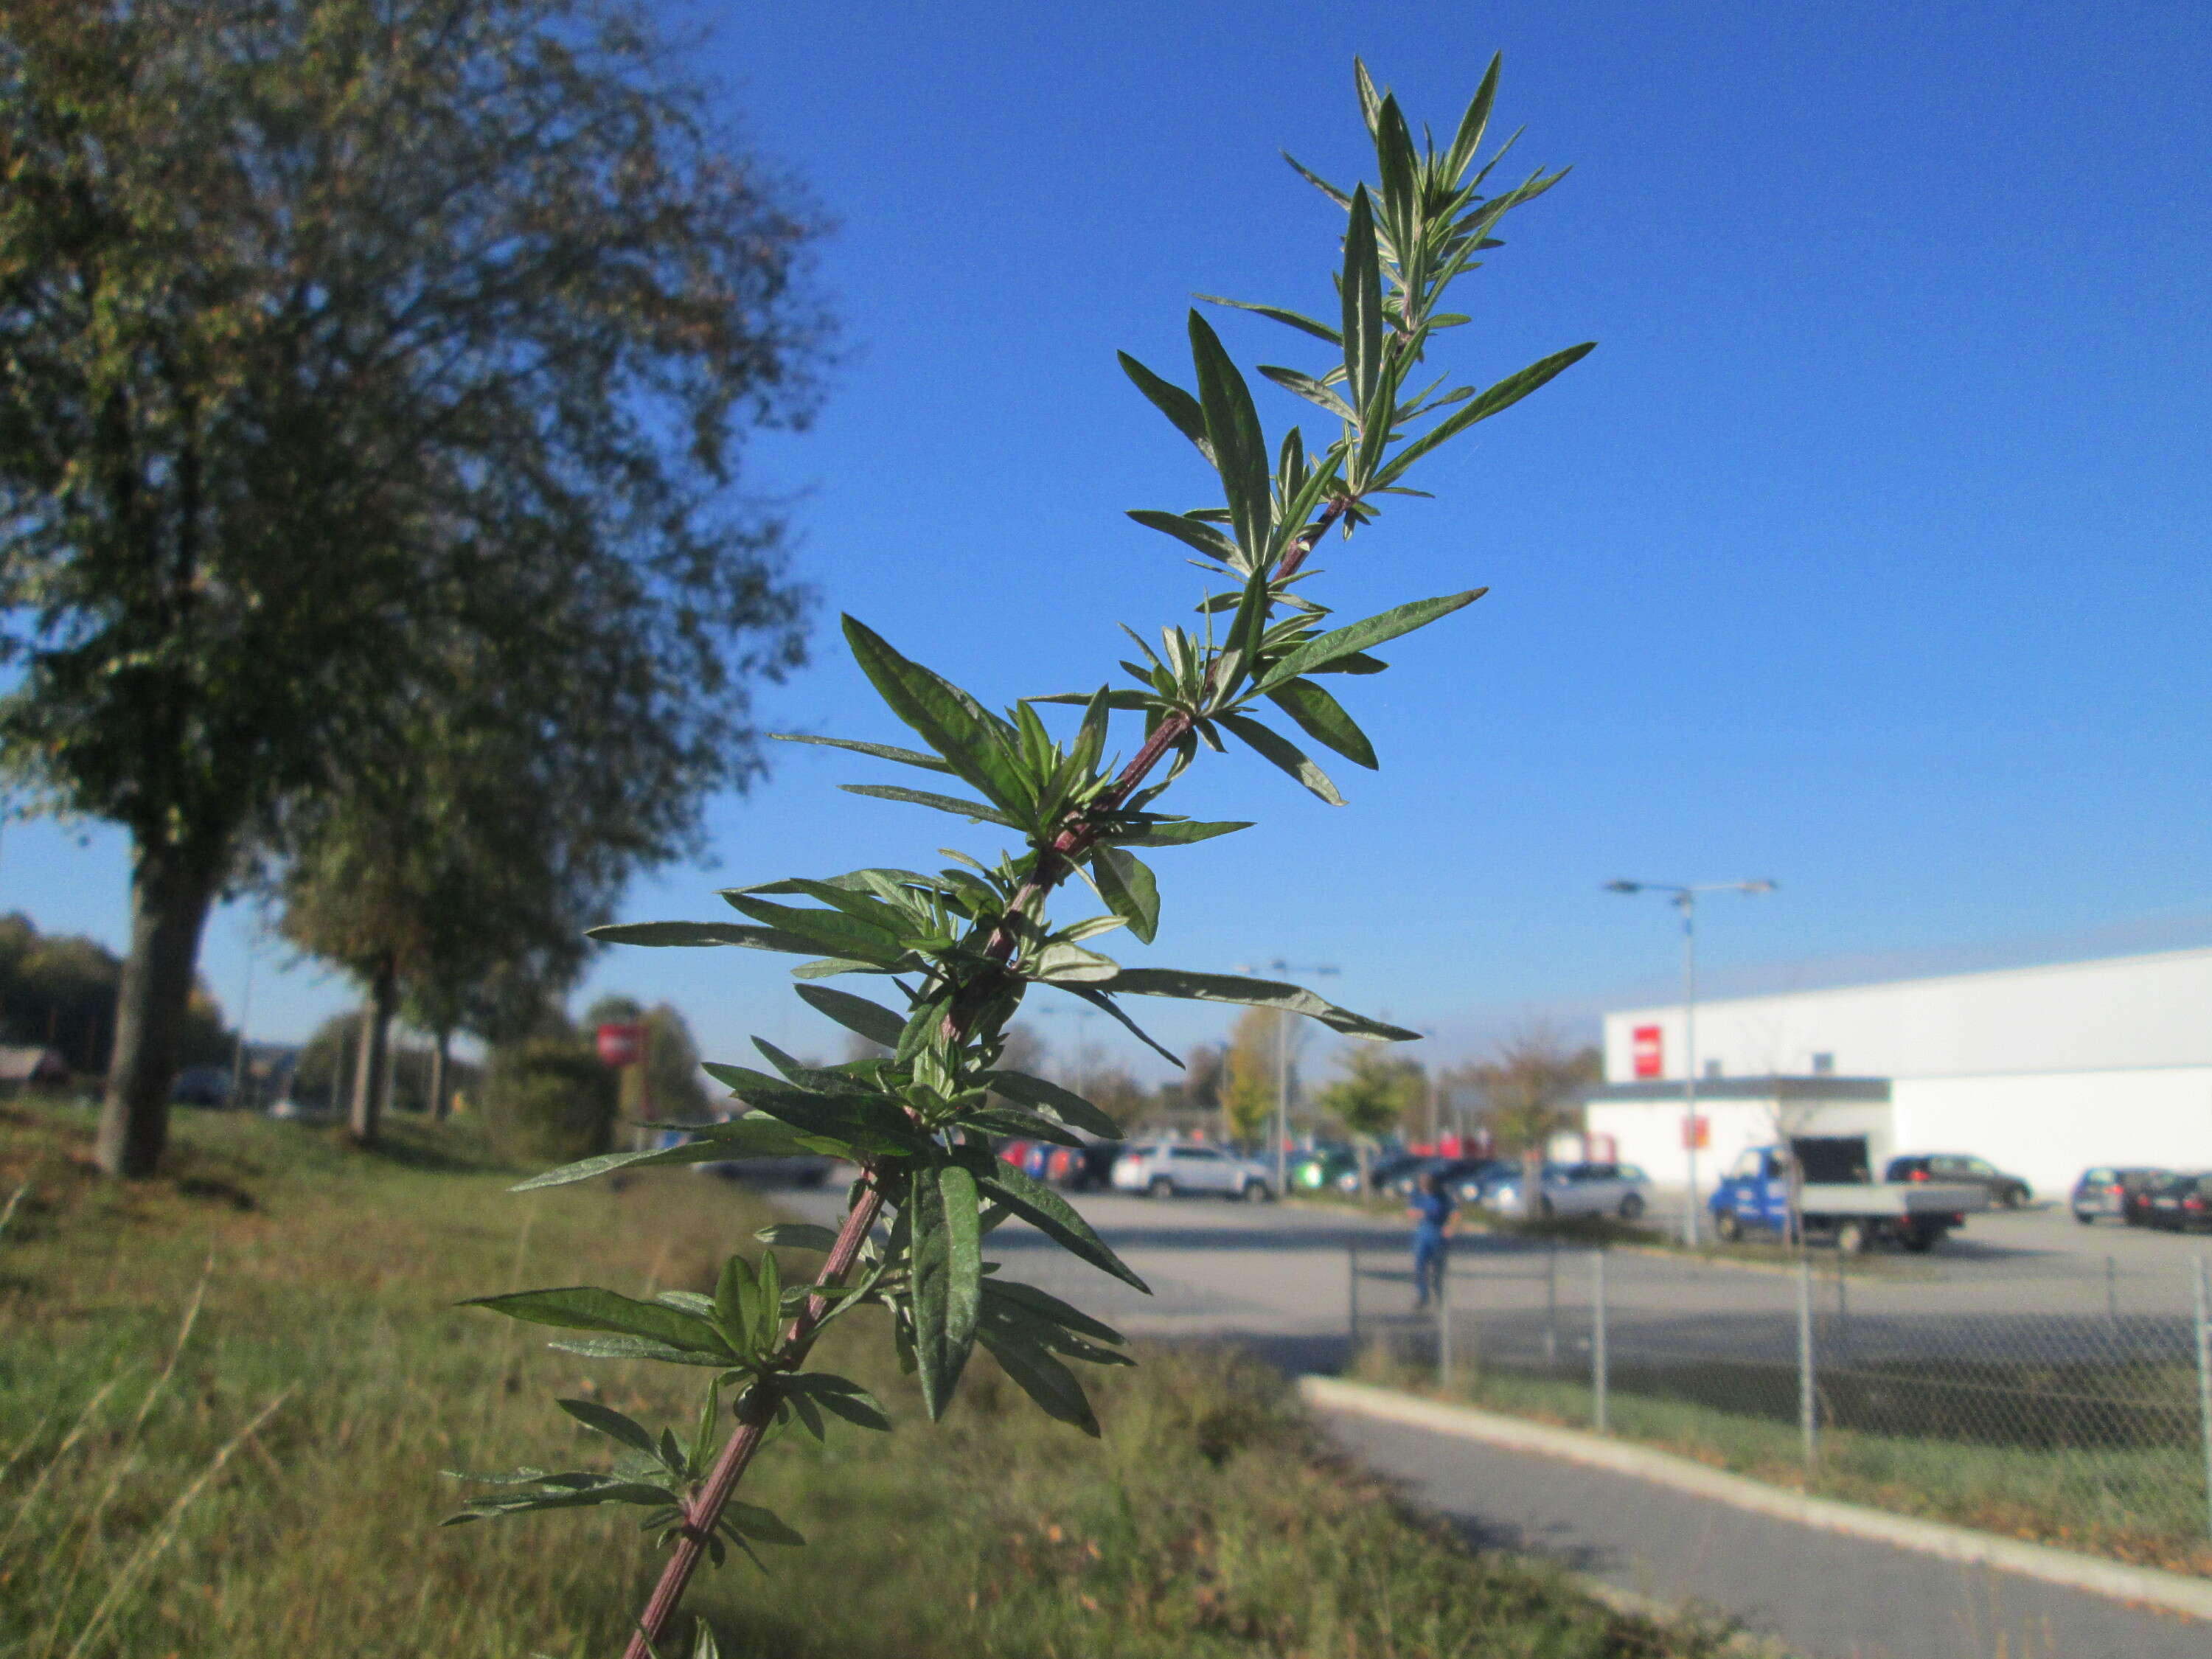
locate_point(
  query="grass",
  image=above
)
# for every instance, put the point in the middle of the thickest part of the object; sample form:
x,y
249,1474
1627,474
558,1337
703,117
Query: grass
x,y
225,1398
2141,1503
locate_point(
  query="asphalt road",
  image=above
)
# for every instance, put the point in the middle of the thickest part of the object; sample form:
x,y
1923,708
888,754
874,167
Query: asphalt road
x,y
1278,1278
1820,1593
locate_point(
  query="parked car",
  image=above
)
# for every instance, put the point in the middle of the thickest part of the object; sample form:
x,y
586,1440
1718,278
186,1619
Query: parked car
x,y
1565,1189
1323,1167
2180,1204
1169,1168
1478,1186
800,1169
2106,1189
1079,1169
1454,1172
1818,1184
1385,1170
2135,1202
1958,1169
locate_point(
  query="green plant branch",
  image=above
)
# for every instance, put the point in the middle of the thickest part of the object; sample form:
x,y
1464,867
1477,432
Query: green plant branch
x,y
920,1121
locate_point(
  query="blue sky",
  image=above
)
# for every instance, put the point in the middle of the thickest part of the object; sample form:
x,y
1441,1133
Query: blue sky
x,y
1867,552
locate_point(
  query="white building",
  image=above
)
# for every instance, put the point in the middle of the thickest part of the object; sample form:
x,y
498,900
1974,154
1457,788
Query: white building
x,y
2044,1071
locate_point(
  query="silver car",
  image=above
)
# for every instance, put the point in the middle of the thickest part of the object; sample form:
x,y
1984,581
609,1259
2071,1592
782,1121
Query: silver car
x,y
1168,1169
1563,1189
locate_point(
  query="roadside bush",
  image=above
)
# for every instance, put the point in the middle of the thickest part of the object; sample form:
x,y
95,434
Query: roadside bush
x,y
549,1097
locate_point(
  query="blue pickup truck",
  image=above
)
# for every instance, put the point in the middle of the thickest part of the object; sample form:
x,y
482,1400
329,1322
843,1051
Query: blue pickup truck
x,y
1828,1180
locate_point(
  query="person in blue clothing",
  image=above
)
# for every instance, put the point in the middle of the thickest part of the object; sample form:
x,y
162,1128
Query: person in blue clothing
x,y
1433,1214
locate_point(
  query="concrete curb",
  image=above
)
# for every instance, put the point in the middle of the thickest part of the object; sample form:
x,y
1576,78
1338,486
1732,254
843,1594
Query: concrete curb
x,y
2143,1586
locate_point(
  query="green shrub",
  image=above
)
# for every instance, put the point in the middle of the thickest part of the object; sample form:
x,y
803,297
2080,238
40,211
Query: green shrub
x,y
549,1097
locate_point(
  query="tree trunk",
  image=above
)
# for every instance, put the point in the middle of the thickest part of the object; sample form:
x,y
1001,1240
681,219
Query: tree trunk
x,y
170,893
373,1060
438,1077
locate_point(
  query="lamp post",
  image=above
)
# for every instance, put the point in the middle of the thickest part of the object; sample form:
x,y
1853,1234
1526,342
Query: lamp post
x,y
1685,900
1283,1069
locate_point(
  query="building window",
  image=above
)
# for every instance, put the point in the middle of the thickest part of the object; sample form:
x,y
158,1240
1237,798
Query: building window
x,y
1823,1065
1712,1068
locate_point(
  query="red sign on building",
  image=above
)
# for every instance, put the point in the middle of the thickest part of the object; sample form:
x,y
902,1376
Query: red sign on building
x,y
1649,1052
622,1045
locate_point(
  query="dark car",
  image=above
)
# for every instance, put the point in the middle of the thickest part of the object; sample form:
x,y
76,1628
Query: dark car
x,y
1383,1175
1480,1184
1081,1169
2179,1203
2109,1190
1958,1169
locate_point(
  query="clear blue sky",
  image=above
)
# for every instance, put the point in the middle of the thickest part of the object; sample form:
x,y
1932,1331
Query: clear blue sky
x,y
1868,552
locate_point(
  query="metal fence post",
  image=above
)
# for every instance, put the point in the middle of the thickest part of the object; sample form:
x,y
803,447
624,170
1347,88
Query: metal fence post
x,y
2112,1296
1443,1316
2204,1387
1597,1341
1807,1415
1551,1302
1352,1300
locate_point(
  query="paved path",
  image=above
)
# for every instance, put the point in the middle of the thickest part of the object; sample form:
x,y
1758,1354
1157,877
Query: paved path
x,y
1820,1593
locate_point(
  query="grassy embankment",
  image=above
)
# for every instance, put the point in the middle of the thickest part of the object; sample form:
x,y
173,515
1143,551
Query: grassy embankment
x,y
225,1398
2143,1504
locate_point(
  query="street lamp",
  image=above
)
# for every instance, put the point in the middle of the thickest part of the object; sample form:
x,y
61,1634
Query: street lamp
x,y
1282,1068
1685,899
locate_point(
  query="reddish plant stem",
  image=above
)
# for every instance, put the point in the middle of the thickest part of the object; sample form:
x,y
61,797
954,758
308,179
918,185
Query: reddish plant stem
x,y
745,1440
1053,864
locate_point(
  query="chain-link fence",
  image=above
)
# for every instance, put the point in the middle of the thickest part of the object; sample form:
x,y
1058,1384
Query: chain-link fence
x,y
2073,1404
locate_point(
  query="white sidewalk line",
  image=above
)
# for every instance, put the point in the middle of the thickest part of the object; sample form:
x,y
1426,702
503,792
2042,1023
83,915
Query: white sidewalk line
x,y
2143,1586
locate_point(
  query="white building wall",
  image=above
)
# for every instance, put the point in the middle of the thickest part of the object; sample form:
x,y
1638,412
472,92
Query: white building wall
x,y
1650,1132
2121,1013
2049,1127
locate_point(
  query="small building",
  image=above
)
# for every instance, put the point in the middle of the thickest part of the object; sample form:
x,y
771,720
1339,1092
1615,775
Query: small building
x,y
2044,1070
31,1067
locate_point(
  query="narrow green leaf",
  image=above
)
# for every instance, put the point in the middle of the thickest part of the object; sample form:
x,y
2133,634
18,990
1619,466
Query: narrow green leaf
x,y
826,931
1276,313
1172,832
588,1308
881,750
1363,303
1240,448
699,933
1318,654
1053,1216
611,1424
1114,1010
947,1254
1047,1306
1316,181
759,1526
1129,890
734,1295
1324,719
1500,397
1468,139
1040,1096
1255,993
1043,1378
1171,400
1062,963
740,1137
974,812
1313,391
948,720
870,1019
1192,532
1271,746
798,1236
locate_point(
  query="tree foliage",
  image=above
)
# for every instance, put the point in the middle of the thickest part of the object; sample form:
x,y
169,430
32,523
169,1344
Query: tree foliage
x,y
952,952
1377,1094
352,351
1532,1081
58,990
1251,1074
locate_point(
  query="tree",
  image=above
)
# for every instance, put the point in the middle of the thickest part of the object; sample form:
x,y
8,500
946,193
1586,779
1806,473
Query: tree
x,y
1261,1069
58,990
1534,1080
346,346
1376,1095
